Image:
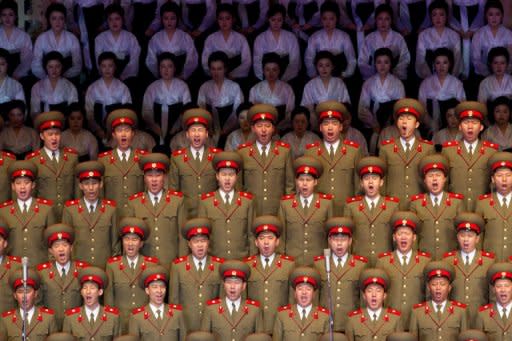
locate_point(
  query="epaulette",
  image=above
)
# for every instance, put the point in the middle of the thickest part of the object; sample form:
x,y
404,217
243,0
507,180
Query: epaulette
x,y
33,154
250,258
318,258
214,150
70,203
8,313
246,195
179,152
282,144
112,310
114,259
424,254
179,260
427,141
73,311
218,259
456,196
394,312
351,143
322,309
175,306
108,202
107,153
450,144
313,145
46,310
419,305
288,196
285,307
81,264
388,141
360,258
44,266
484,196
175,193
70,150
450,254
205,196
325,196
136,195
244,145
286,257
418,196
253,302
485,307
137,310
7,203
459,304
354,199
393,199
151,259
141,151
9,155
44,201
490,145
488,254
385,254
14,259
355,312
214,301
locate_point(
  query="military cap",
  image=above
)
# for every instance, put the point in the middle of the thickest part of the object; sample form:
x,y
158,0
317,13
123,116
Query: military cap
x,y
59,231
500,160
93,274
267,223
22,168
263,112
196,226
200,336
472,335
335,337
408,106
469,221
373,276
371,165
152,274
471,109
434,162
405,219
89,169
133,225
331,109
305,274
258,337
500,270
308,165
401,336
127,337
196,116
121,116
49,120
234,268
436,269
337,225
61,337
16,279
4,229
154,161
227,160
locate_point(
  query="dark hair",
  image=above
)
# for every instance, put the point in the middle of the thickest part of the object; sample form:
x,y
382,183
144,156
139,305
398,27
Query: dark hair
x,y
324,55
75,107
107,55
384,8
449,104
502,100
330,6
54,7
52,55
271,57
218,56
300,110
384,51
114,8
16,104
446,52
498,51
225,8
166,56
4,54
493,4
243,106
275,9
9,4
170,7
438,4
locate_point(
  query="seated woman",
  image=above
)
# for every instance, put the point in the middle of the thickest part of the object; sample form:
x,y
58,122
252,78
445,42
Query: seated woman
x,y
300,136
451,131
244,133
500,130
16,137
499,83
52,92
10,89
77,136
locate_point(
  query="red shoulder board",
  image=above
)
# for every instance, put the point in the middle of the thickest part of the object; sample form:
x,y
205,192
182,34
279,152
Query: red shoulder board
x,y
33,154
151,259
456,196
112,310
253,302
136,195
44,201
9,312
175,306
385,254
450,254
72,202
244,145
282,144
491,145
205,196
175,193
360,258
288,197
9,155
323,310
424,254
354,199
81,264
249,259
14,259
290,258
393,199
70,150
285,307
111,203
107,153
459,304
388,141
484,196
318,258
214,150
141,151
419,305
313,145
44,266
426,141
214,301
450,144
394,312
246,195
351,143
218,259
7,203
137,310
73,311
325,196
355,312
46,310
418,196
488,254
180,260
179,152
114,259
485,307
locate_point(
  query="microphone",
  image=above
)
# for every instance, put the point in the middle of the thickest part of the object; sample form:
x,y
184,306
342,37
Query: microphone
x,y
24,264
327,255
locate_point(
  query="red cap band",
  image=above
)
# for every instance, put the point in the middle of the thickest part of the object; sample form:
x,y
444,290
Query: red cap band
x,y
197,231
92,278
305,279
404,223
196,120
122,120
89,174
267,227
59,236
155,277
440,273
154,165
265,116
340,229
227,164
132,229
471,114
501,164
22,172
469,226
30,282
433,165
408,110
375,280
371,170
307,170
330,114
501,275
234,273
50,124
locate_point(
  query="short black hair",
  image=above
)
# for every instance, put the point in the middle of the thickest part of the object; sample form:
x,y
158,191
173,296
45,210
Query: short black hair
x,y
107,55
275,9
330,6
218,56
170,6
53,55
324,54
54,7
114,8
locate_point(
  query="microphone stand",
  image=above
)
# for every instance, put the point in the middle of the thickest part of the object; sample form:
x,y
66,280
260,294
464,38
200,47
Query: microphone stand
x,y
327,259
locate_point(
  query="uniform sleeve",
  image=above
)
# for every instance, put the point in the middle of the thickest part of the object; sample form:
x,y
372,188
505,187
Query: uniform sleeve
x,y
52,325
243,69
346,210
413,324
365,68
133,326
181,219
108,293
309,57
464,322
281,214
477,55
174,176
422,69
383,156
349,330
25,58
479,322
51,217
192,57
348,50
257,57
250,218
209,18
116,243
206,321
66,326
132,69
35,100
183,328
277,333
76,57
37,60
117,327
289,174
295,62
400,69
258,328
174,285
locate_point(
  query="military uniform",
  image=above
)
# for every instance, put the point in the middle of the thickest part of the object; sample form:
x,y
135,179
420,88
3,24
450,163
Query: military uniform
x,y
269,285
344,279
472,335
401,336
200,336
259,337
5,181
8,264
143,322
339,178
335,337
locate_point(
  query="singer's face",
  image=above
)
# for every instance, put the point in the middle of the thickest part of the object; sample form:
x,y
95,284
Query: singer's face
x,y
154,180
267,242
91,293
132,245
156,292
374,295
435,180
23,187
61,251
340,244
371,184
226,178
304,294
305,185
91,188
404,239
31,297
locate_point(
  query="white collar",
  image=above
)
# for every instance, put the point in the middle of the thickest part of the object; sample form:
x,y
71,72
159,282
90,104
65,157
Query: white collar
x,y
193,151
135,260
197,260
30,313
407,255
21,202
94,311
443,305
88,204
267,147
223,195
371,312
309,199
237,303
369,201
270,259
411,141
66,267
308,310
500,308
154,309
500,198
127,153
439,198
473,144
471,255
50,152
157,195
343,258
334,145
